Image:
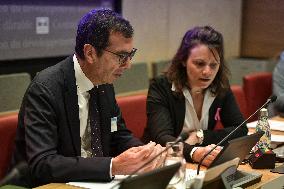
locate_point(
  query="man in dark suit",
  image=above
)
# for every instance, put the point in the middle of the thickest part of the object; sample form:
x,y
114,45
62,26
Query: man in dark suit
x,y
57,135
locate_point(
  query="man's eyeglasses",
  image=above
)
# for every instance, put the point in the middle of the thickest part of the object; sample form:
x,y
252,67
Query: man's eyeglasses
x,y
123,57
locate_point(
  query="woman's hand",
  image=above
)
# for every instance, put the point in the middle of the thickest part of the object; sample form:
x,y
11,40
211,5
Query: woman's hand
x,y
201,151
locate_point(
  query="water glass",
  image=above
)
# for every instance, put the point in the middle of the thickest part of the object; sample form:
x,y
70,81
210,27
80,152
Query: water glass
x,y
175,155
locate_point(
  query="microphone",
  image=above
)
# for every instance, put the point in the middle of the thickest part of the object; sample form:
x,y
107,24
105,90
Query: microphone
x,y
19,170
271,99
182,137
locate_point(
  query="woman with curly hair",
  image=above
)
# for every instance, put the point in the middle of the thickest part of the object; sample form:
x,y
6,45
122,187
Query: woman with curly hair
x,y
193,95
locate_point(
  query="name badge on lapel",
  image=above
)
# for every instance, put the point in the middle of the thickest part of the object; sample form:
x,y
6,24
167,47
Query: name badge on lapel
x,y
113,123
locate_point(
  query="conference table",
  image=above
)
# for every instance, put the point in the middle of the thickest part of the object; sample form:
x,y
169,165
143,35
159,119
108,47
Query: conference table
x,y
267,176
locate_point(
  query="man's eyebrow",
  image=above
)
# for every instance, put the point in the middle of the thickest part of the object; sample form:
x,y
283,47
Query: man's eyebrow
x,y
123,52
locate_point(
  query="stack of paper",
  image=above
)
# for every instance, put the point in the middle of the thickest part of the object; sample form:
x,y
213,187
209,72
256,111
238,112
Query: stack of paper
x,y
274,125
99,185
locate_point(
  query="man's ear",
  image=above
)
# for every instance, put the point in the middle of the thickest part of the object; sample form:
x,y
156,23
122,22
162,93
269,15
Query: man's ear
x,y
90,53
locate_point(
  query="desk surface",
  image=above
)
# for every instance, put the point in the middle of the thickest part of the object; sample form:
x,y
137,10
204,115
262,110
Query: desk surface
x,y
267,176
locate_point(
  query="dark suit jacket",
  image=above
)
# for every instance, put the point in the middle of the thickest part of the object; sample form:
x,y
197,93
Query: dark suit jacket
x,y
166,114
48,134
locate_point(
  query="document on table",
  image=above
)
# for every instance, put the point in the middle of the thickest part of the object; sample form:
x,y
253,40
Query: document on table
x,y
93,185
99,185
190,174
274,125
275,138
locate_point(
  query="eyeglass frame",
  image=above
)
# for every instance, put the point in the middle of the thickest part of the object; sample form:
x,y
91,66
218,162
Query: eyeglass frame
x,y
124,56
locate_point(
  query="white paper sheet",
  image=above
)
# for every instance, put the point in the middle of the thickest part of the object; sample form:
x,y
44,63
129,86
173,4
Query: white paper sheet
x,y
274,125
192,180
98,185
93,185
190,174
275,139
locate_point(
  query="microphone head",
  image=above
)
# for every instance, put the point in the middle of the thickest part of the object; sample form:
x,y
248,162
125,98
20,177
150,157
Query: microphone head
x,y
22,167
19,171
273,98
183,136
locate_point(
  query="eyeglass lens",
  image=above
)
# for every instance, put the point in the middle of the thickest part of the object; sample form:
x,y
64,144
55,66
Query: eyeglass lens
x,y
130,55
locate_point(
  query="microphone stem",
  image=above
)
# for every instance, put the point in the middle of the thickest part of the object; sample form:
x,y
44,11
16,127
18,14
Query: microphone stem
x,y
226,137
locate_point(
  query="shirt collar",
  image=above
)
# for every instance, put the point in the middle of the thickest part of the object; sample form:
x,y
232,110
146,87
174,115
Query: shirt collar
x,y
173,87
207,102
185,91
82,82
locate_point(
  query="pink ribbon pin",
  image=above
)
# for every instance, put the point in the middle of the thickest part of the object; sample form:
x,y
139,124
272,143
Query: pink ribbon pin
x,y
217,114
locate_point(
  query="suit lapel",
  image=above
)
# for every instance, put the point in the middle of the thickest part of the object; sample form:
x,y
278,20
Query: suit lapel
x,y
71,104
179,107
105,119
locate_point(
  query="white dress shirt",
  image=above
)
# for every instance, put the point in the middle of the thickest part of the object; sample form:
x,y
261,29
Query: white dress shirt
x,y
84,85
191,121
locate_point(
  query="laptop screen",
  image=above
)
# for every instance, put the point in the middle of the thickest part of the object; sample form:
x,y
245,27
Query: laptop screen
x,y
156,179
239,147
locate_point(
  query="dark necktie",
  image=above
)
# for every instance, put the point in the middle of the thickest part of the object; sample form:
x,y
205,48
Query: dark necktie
x,y
94,121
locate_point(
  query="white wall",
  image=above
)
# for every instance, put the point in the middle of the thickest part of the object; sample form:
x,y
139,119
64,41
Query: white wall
x,y
160,24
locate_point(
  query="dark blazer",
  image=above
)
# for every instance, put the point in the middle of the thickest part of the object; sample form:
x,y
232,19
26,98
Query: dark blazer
x,y
48,134
166,114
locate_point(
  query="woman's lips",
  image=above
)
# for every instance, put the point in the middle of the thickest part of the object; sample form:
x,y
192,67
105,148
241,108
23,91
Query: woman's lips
x,y
204,79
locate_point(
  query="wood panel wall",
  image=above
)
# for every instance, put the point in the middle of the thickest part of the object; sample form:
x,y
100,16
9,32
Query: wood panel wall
x,y
262,28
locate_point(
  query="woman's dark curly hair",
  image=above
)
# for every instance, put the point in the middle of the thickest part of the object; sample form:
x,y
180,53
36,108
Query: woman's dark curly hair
x,y
205,35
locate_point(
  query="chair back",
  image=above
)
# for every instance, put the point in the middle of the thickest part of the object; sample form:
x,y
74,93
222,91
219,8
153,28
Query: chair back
x,y
258,88
241,101
133,80
133,110
159,67
13,87
239,94
8,127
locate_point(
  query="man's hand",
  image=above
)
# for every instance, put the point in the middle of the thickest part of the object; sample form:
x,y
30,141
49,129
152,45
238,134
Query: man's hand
x,y
201,151
135,157
157,162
